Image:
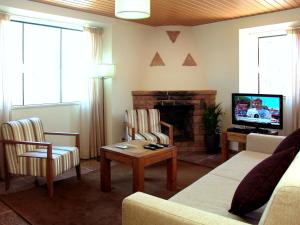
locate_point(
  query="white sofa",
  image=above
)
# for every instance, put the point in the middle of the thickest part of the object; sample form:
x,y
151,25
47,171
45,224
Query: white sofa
x,y
207,200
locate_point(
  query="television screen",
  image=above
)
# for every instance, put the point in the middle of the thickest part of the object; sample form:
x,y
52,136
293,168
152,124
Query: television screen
x,y
257,110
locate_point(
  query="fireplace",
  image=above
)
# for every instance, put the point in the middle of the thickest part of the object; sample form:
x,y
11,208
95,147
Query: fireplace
x,y
182,109
181,117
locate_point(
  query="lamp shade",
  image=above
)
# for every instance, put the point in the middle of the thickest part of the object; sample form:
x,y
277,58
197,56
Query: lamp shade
x,y
132,9
105,70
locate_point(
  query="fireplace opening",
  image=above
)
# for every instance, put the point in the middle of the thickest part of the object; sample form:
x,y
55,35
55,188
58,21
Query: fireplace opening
x,y
181,117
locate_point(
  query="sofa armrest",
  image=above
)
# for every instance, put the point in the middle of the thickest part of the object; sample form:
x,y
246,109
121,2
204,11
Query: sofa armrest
x,y
262,142
140,208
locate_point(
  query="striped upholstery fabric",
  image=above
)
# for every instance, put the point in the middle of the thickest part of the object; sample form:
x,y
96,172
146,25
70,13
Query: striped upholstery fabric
x,y
131,118
155,128
163,139
10,150
150,137
147,125
137,137
38,129
29,159
142,119
154,120
29,134
33,163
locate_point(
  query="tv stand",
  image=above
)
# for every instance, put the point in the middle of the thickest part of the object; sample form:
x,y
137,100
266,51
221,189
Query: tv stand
x,y
239,137
250,130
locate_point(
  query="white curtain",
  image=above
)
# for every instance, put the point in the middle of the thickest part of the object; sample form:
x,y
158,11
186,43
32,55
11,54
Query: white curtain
x,y
92,121
5,79
296,80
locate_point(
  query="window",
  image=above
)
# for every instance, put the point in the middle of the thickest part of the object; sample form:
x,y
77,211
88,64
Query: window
x,y
273,63
47,63
265,58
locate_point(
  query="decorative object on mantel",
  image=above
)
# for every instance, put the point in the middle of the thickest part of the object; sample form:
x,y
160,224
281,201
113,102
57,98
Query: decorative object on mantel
x,y
173,35
157,60
189,61
132,9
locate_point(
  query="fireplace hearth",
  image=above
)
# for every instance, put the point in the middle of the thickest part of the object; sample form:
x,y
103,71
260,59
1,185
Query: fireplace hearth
x,y
182,109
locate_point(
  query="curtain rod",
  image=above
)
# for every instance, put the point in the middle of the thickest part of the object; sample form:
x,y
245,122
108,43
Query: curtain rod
x,y
46,19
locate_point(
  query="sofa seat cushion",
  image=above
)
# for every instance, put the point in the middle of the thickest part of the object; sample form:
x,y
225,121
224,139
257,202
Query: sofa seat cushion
x,y
213,193
238,166
34,162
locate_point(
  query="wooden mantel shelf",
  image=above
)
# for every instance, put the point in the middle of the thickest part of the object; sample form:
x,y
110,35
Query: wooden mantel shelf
x,y
171,92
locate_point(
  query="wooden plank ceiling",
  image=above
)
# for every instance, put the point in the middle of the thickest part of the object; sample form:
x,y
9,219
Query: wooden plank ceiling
x,y
184,12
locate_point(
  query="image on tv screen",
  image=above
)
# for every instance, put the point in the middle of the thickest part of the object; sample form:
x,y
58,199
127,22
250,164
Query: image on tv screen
x,y
257,109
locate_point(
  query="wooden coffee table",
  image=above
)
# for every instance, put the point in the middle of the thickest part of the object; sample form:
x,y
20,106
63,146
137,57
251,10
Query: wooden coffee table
x,y
138,158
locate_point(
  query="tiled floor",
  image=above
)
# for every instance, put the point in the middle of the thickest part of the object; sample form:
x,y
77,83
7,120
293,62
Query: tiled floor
x,y
9,217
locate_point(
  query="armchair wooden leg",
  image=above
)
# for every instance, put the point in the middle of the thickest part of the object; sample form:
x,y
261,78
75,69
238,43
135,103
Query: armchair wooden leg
x,y
50,186
7,180
78,173
36,181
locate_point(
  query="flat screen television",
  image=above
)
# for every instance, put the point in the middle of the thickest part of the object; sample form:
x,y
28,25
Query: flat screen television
x,y
257,110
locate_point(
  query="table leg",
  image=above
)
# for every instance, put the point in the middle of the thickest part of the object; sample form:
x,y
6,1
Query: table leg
x,y
138,175
105,176
225,150
172,172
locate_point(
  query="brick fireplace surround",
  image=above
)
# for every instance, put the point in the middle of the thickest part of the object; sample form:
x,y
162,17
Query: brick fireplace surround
x,y
183,109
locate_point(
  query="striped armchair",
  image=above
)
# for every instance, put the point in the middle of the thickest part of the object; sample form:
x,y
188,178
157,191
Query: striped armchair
x,y
26,152
145,124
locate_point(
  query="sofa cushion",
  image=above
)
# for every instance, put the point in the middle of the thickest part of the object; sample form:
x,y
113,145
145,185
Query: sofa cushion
x,y
213,194
238,166
289,141
257,187
255,142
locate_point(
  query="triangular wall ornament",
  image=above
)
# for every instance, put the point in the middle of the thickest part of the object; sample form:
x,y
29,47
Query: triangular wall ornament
x,y
173,35
157,60
189,61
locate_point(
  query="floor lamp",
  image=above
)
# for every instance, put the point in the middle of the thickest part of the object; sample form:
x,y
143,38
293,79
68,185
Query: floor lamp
x,y
104,71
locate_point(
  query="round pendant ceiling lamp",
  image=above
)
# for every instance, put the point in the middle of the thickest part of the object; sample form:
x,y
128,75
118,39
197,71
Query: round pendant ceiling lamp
x,y
132,9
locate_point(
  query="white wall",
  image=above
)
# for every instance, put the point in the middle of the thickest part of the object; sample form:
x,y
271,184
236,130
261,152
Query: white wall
x,y
218,47
63,118
129,44
172,76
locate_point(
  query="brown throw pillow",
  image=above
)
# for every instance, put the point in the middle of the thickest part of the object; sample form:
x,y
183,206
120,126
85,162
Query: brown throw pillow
x,y
257,186
291,140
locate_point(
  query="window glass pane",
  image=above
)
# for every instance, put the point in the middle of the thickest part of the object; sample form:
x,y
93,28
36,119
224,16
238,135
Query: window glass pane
x,y
73,56
274,65
14,61
42,64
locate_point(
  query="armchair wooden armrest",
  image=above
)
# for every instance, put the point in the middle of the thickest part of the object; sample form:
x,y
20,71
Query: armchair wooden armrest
x,y
25,142
77,136
49,160
132,130
170,127
47,144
